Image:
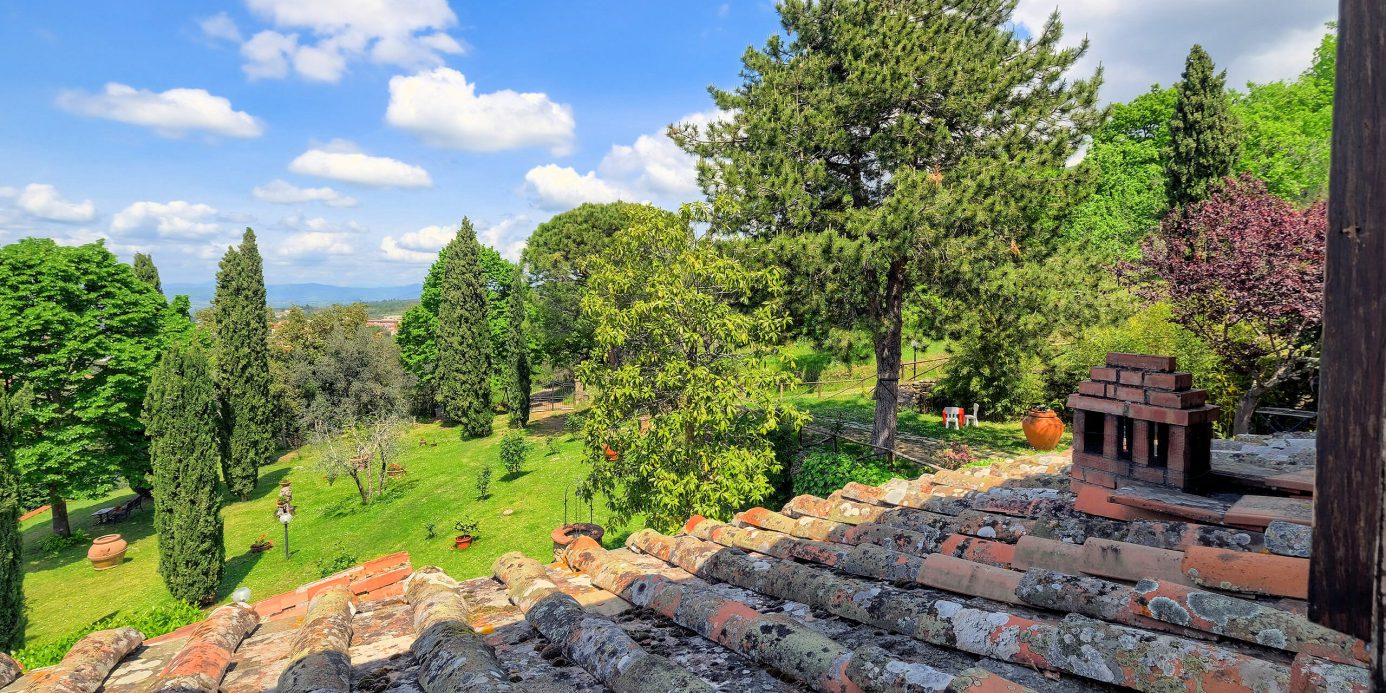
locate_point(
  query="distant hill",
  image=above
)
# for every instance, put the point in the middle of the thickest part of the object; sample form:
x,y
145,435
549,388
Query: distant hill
x,y
285,295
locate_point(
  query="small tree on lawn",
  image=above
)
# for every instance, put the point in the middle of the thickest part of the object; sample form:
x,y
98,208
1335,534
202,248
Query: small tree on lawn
x,y
182,420
483,483
513,451
360,450
517,351
679,344
1244,271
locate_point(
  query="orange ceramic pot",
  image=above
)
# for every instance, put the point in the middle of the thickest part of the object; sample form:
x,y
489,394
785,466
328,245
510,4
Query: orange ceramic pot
x,y
462,543
567,534
107,551
1042,429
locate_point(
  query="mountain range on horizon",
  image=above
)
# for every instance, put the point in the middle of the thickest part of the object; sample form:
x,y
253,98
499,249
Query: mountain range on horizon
x,y
308,294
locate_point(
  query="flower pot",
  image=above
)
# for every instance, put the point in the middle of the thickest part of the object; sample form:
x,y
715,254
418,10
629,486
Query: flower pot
x,y
567,534
611,455
1042,429
462,543
107,551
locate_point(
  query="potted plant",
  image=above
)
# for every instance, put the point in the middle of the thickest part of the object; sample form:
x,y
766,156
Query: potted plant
x,y
466,534
261,545
1042,428
395,470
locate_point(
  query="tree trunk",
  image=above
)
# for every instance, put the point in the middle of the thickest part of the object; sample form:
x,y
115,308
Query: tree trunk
x,y
61,527
1246,409
889,328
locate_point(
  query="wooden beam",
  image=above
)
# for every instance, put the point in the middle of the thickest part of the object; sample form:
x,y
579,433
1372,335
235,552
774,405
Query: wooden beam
x,y
1346,588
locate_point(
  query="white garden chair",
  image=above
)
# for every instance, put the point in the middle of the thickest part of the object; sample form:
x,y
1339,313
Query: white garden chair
x,y
952,415
971,419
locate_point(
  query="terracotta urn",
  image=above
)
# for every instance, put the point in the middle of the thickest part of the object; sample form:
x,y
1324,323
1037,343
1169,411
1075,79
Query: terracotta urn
x,y
567,534
107,551
1042,429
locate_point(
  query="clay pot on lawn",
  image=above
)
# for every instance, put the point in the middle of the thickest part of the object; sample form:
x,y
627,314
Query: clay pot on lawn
x,y
107,551
1042,429
567,534
462,543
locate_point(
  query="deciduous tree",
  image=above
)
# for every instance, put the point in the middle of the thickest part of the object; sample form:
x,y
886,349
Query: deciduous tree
x,y
684,397
1243,270
1287,128
464,343
1203,134
884,145
182,419
243,365
82,333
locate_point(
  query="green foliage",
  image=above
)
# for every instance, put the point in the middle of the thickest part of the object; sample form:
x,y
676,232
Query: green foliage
x,y
823,472
499,275
685,394
572,423
55,544
146,272
483,483
182,419
11,544
464,346
466,527
514,448
1204,139
556,256
152,622
517,384
1288,129
335,564
878,147
82,333
243,366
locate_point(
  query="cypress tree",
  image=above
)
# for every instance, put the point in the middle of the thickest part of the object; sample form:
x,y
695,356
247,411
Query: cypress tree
x,y
464,337
1204,140
11,545
517,350
181,419
243,365
146,272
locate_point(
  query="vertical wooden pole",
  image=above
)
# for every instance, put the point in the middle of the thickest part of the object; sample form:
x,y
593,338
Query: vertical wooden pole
x,y
1346,588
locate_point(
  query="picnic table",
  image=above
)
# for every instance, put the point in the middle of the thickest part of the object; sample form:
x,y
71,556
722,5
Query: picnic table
x,y
1296,418
118,513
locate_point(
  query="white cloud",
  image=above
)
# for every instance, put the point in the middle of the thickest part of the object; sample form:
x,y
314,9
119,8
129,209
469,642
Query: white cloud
x,y
401,33
43,202
1141,43
221,26
282,192
651,169
561,187
417,246
171,113
298,222
340,160
444,110
314,243
176,219
508,236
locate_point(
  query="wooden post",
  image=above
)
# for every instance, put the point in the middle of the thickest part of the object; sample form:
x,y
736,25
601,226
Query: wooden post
x,y
1346,588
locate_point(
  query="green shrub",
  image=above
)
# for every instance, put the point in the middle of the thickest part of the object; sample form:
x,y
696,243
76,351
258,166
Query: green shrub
x,y
336,564
513,450
825,471
55,544
572,424
483,483
153,622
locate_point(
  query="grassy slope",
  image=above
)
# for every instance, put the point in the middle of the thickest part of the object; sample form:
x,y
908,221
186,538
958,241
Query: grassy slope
x,y
64,593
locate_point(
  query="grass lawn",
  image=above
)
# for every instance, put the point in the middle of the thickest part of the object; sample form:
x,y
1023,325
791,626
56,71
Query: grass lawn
x,y
64,594
860,408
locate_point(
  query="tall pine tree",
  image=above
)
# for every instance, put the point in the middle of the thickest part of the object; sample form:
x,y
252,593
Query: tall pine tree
x,y
881,147
517,352
243,365
146,272
181,419
1204,142
11,544
464,339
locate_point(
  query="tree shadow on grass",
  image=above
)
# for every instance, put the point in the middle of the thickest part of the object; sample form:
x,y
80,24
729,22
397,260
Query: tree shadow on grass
x,y
352,504
236,571
516,475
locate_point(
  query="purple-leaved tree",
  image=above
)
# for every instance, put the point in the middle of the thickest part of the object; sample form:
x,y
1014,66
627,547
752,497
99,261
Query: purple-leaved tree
x,y
1243,270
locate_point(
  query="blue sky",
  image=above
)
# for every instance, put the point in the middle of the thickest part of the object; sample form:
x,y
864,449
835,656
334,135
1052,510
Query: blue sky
x,y
354,134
